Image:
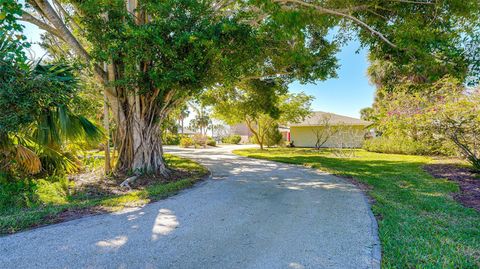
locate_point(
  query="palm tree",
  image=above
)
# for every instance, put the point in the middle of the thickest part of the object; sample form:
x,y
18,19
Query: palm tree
x,y
37,124
183,115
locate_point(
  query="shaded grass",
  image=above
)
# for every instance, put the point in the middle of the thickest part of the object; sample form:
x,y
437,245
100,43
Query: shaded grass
x,y
420,224
60,207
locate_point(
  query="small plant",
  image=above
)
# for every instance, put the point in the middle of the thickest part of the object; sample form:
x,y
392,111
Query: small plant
x,y
186,142
232,139
199,140
16,193
171,139
54,190
341,151
211,142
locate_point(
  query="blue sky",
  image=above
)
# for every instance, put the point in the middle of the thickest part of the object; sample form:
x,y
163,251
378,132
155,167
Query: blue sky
x,y
344,95
349,92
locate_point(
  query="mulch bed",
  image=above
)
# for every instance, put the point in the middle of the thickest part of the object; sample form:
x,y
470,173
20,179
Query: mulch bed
x,y
147,180
468,181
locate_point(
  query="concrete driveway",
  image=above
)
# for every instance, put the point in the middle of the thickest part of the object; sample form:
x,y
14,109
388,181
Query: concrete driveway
x,y
250,214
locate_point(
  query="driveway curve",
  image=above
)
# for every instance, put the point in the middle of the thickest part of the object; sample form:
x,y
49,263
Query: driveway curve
x,y
249,214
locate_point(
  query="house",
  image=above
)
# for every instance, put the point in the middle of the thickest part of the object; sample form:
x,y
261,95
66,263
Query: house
x,y
331,130
188,132
246,135
285,131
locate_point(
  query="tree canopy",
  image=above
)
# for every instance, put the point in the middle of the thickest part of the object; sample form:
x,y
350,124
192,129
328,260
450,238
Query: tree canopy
x,y
262,115
157,54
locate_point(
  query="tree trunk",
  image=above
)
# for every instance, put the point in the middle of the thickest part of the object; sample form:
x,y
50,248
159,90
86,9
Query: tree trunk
x,y
106,119
138,117
106,126
141,149
257,136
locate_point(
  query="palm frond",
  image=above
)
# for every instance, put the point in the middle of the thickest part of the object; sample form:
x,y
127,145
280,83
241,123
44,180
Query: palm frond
x,y
92,132
28,159
63,119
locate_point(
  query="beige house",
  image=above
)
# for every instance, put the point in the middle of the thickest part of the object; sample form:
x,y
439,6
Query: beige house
x,y
331,130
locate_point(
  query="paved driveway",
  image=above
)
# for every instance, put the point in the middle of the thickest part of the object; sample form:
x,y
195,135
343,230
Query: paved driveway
x,y
250,214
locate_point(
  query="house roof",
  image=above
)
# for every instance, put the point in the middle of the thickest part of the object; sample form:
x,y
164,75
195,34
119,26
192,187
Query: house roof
x,y
318,118
283,129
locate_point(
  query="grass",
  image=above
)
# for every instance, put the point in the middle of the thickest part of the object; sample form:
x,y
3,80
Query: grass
x,y
55,202
420,224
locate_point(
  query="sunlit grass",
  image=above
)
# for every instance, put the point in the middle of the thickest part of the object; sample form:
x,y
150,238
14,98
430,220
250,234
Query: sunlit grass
x,y
420,224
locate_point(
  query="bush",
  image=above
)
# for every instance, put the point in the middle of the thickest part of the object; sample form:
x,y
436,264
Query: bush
x,y
211,142
186,142
398,146
171,139
232,139
28,192
54,190
273,137
17,193
199,140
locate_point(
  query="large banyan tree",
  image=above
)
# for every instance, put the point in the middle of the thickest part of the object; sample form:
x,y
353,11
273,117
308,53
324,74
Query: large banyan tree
x,y
153,55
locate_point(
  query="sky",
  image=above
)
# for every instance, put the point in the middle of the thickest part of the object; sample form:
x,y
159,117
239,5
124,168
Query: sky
x,y
344,95
349,92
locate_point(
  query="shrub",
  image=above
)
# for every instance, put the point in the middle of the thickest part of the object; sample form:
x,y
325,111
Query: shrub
x,y
171,139
232,139
397,145
211,142
186,142
273,137
27,192
17,193
199,140
54,190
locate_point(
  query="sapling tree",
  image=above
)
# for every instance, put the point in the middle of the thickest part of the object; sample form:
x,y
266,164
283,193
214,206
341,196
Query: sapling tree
x,y
456,117
248,106
323,130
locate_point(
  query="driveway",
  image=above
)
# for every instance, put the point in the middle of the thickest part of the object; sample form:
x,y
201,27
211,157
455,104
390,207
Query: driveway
x,y
249,214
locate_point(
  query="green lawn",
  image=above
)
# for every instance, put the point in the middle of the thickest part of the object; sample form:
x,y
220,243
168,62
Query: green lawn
x,y
55,203
420,224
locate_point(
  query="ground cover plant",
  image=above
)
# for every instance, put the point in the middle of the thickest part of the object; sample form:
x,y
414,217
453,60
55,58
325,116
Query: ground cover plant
x,y
56,199
420,223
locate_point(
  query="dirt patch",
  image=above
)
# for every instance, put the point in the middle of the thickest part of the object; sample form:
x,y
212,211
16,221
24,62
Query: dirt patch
x,y
468,181
147,180
76,213
94,184
97,185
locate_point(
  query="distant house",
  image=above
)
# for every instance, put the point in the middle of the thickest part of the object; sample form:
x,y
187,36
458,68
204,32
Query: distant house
x,y
242,130
285,131
344,131
188,132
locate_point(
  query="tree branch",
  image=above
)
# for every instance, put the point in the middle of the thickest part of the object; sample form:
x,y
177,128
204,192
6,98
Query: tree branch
x,y
66,15
27,17
44,7
340,13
